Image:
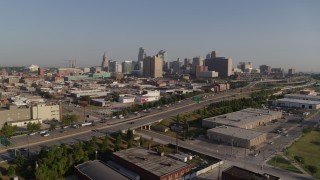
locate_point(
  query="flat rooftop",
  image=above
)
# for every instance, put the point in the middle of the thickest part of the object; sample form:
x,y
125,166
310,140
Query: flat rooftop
x,y
244,116
98,171
236,132
151,161
246,174
301,101
315,98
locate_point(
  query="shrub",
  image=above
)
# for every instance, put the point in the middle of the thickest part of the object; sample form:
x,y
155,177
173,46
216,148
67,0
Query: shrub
x,y
313,169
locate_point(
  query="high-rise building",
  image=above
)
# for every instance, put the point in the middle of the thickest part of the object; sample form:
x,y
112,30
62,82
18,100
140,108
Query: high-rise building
x,y
115,66
41,71
164,56
264,69
176,66
127,67
197,61
200,69
291,71
142,54
244,66
152,66
221,65
105,63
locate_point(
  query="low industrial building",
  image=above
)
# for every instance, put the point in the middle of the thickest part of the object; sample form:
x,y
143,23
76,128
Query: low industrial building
x,y
151,165
237,173
126,98
236,136
22,115
91,93
246,118
98,171
302,97
297,103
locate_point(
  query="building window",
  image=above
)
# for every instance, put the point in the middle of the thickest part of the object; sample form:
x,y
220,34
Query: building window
x,y
310,107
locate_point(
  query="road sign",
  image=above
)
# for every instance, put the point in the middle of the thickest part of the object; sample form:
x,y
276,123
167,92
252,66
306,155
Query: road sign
x,y
196,99
4,141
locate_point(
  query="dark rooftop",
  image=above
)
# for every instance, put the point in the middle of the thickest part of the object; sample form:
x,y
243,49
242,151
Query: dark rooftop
x,y
99,171
246,174
151,161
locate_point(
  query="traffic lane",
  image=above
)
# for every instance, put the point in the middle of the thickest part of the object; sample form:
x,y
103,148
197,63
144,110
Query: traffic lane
x,y
144,120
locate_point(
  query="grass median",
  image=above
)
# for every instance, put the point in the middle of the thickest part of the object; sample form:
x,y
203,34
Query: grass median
x,y
307,149
282,163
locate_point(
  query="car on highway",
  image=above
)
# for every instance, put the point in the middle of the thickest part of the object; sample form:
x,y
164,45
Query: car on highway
x,y
46,135
271,142
255,154
31,134
43,132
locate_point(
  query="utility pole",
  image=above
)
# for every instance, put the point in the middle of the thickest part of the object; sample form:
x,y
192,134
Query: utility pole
x,y
177,149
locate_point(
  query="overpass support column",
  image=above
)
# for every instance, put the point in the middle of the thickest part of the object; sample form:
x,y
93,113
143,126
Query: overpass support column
x,y
149,127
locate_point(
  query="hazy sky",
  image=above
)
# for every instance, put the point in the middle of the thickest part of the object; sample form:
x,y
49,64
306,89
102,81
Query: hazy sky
x,y
282,33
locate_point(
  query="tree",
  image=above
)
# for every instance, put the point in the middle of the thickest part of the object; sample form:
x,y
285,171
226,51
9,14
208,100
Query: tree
x,y
33,127
115,96
205,111
130,135
92,145
104,147
117,143
8,130
69,119
11,171
178,119
313,169
141,142
52,127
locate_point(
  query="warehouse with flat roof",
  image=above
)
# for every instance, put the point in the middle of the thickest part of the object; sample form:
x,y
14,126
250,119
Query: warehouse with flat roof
x,y
302,97
236,136
96,170
246,118
297,103
151,165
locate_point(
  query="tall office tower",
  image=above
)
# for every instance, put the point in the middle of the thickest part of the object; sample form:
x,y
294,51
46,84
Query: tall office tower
x,y
127,67
118,67
176,66
152,66
197,61
244,65
142,54
115,66
164,56
200,69
187,62
291,71
221,65
264,69
213,54
41,71
105,63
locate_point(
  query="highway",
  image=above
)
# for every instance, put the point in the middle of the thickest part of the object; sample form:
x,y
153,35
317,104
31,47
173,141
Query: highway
x,y
70,135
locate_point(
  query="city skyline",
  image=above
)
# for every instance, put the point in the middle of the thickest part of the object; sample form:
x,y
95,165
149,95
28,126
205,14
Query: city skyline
x,y
272,33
